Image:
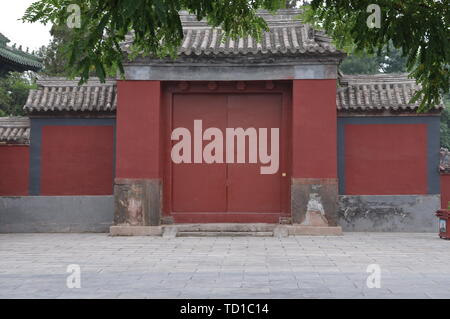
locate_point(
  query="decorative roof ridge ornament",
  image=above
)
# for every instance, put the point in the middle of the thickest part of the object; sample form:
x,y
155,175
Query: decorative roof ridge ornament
x,y
13,58
3,40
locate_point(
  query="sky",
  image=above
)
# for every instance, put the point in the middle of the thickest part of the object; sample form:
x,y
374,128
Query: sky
x,y
32,35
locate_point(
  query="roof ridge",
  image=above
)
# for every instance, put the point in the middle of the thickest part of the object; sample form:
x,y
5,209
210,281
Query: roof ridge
x,y
62,81
280,16
376,78
14,119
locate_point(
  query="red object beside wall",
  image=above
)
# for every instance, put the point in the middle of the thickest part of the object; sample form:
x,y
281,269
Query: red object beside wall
x,y
14,170
445,190
77,160
386,159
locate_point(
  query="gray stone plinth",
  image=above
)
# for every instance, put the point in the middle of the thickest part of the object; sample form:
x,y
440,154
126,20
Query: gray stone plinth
x,y
56,214
389,213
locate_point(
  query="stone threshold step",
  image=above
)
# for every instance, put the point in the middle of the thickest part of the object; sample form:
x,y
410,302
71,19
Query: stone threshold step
x,y
210,230
223,234
224,227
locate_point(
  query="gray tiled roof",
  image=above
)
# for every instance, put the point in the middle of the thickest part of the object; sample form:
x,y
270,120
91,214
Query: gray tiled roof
x,y
375,93
287,36
14,130
56,94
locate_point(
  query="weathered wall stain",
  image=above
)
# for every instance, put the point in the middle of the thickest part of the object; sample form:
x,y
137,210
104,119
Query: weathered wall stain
x,y
388,213
137,202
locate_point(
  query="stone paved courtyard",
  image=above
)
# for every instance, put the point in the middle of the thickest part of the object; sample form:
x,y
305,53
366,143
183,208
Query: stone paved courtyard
x,y
412,266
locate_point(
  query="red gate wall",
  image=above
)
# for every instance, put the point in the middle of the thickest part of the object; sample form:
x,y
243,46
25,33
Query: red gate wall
x,y
14,170
386,159
77,160
445,190
214,91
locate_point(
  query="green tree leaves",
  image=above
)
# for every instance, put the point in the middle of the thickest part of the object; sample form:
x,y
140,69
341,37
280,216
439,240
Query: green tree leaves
x,y
155,24
420,28
13,93
389,61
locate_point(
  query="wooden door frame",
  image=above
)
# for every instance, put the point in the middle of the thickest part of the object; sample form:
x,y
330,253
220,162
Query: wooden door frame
x,y
226,87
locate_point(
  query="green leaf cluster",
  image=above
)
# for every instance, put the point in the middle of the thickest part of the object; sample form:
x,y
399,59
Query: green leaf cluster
x,y
14,90
155,24
421,29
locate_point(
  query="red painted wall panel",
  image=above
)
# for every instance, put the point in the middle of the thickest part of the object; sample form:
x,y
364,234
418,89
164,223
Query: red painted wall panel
x,y
138,129
314,129
445,190
77,160
386,159
14,170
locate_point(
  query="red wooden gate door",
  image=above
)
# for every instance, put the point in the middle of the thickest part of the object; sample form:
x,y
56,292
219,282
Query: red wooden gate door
x,y
227,192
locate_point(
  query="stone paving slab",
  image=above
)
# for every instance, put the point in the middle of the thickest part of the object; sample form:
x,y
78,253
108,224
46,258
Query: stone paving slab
x,y
412,266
